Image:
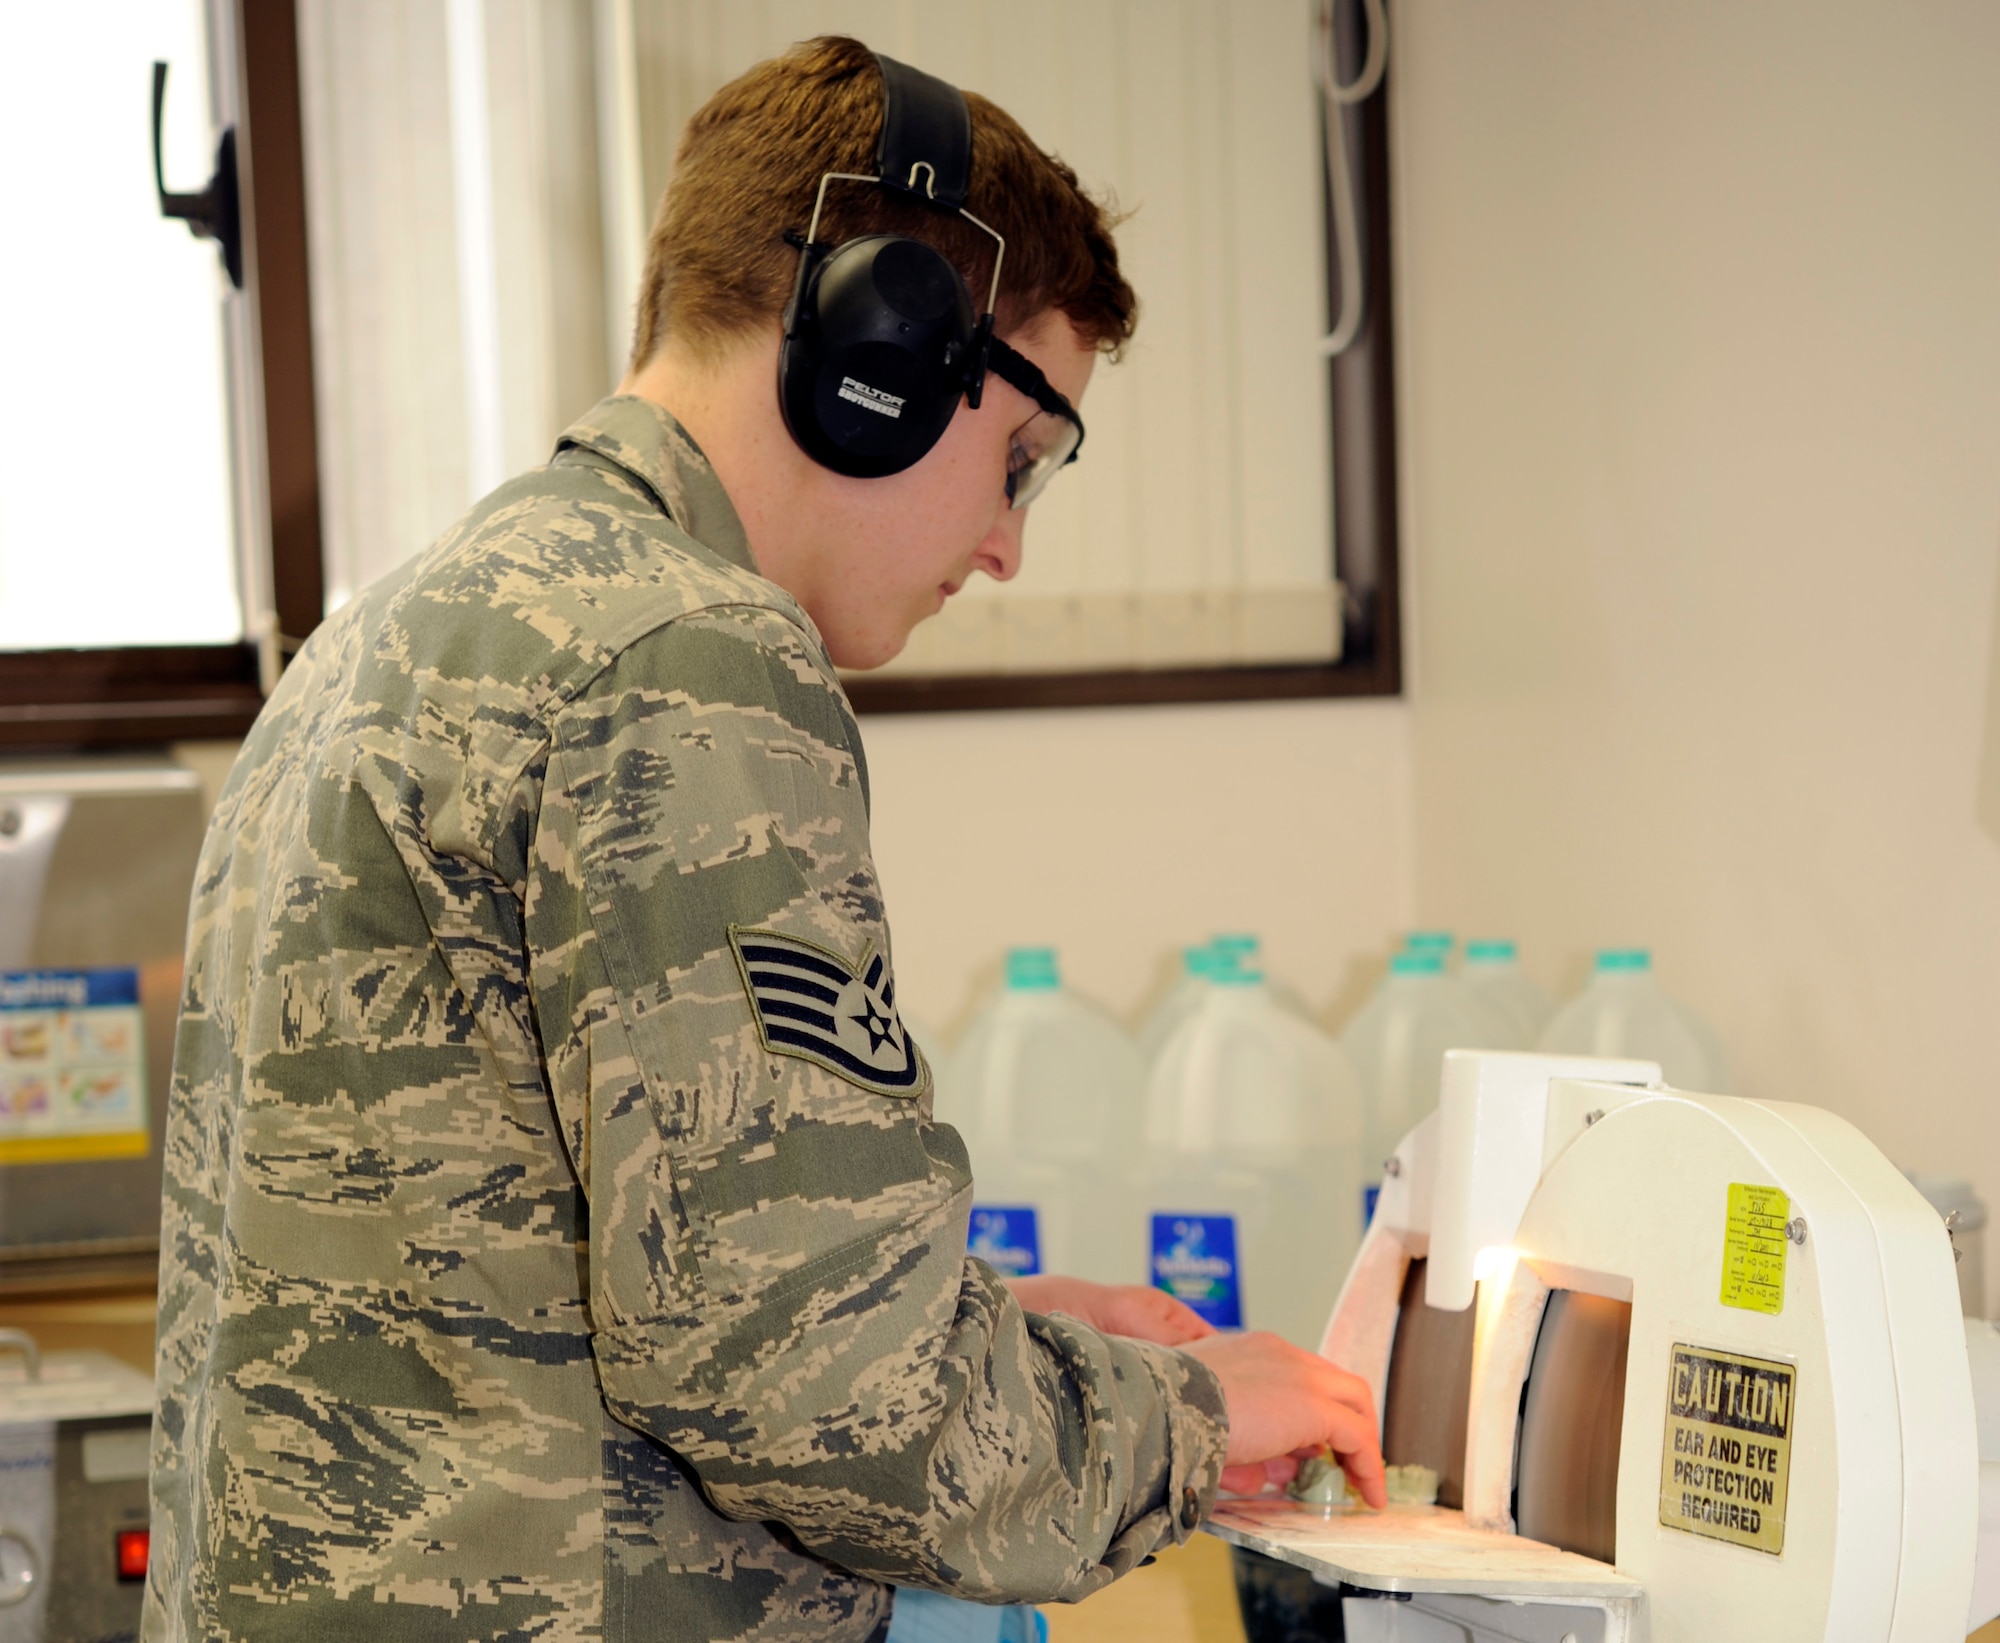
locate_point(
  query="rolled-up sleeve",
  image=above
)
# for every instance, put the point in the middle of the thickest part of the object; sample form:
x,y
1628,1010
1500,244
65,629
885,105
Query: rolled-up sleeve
x,y
778,1281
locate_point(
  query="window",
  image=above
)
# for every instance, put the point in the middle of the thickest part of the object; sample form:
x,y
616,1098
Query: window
x,y
114,430
136,566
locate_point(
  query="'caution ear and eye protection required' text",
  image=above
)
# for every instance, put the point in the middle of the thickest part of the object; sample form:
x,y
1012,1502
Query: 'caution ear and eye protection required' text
x,y
1727,1454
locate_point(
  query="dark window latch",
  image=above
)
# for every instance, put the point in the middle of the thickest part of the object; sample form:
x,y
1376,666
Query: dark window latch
x,y
213,213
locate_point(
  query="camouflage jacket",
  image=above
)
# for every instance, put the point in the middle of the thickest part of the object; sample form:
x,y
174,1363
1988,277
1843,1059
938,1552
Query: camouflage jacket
x,y
556,1241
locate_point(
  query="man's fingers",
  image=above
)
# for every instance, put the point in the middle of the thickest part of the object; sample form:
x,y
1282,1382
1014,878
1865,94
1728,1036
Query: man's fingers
x,y
1281,1469
1354,1438
1350,1389
1349,1430
1154,1315
1367,1479
1363,1465
1253,1477
1283,1402
1256,1477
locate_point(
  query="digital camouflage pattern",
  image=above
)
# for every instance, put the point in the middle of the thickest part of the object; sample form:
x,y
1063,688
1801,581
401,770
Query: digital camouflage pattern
x,y
513,1285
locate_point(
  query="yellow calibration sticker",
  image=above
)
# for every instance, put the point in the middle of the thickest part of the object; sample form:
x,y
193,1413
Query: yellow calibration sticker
x,y
1727,1453
1753,1248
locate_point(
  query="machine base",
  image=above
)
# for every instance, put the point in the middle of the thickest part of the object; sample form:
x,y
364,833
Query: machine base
x,y
1462,1585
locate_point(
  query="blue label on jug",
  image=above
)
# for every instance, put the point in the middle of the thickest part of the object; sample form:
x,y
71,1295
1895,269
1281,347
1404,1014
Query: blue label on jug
x,y
1369,1194
1005,1239
1194,1260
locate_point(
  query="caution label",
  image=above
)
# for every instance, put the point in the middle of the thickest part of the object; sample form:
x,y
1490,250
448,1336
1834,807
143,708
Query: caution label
x,y
1727,1454
1753,1248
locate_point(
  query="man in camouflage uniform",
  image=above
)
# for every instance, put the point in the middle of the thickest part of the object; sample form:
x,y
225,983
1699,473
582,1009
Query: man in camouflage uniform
x,y
556,1240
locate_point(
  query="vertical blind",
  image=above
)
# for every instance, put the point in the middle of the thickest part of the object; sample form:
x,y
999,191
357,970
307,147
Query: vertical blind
x,y
462,318
450,353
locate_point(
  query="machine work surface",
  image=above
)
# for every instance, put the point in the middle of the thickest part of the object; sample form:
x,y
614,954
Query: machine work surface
x,y
1414,1549
72,1386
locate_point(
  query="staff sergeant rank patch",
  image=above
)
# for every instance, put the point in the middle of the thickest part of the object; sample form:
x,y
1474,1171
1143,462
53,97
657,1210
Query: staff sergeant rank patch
x,y
811,1003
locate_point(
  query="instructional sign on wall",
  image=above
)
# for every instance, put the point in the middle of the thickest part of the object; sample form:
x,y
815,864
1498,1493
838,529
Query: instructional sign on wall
x,y
72,1066
1727,1454
1753,1248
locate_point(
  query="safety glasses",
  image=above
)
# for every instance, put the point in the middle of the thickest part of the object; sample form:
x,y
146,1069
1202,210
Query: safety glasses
x,y
1047,441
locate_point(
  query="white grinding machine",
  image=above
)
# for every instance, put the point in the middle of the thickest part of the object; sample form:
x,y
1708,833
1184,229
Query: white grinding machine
x,y
1687,1368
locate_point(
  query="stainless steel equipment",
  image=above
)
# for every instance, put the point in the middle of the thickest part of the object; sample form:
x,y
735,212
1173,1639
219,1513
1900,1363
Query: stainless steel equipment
x,y
75,1431
96,865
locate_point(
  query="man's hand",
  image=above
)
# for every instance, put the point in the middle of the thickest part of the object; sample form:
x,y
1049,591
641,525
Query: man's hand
x,y
1285,1404
1114,1309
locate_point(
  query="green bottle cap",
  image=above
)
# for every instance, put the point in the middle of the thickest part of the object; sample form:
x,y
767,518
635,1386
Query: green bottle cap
x,y
1233,965
1032,970
1417,964
1623,960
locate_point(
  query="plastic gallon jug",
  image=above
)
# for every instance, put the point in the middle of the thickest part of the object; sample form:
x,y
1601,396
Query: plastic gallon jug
x,y
1253,1121
1625,1012
1186,992
1501,1028
1177,1006
1396,1045
1045,1088
1492,974
1249,956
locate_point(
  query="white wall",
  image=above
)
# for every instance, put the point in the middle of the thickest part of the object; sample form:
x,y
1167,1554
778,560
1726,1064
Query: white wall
x,y
1119,835
1701,375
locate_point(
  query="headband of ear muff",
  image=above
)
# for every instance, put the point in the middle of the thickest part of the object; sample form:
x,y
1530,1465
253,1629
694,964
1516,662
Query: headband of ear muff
x,y
925,149
881,338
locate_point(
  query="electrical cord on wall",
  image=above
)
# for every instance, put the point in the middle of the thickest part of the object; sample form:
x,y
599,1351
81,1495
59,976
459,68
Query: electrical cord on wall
x,y
1340,175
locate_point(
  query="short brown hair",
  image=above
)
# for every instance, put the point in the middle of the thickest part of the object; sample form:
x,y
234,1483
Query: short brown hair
x,y
718,264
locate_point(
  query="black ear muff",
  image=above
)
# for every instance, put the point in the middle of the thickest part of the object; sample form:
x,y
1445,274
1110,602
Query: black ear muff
x,y
875,354
881,338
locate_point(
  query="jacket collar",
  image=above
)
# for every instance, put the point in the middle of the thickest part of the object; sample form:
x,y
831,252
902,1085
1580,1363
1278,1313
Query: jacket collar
x,y
646,441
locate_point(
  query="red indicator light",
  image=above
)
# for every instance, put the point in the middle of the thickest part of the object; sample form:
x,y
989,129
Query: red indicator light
x,y
133,1545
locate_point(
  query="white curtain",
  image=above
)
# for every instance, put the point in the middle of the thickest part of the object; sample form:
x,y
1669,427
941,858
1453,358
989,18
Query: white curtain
x,y
445,360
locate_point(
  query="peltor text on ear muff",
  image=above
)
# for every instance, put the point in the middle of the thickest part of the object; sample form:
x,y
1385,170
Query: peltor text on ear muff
x,y
875,363
881,338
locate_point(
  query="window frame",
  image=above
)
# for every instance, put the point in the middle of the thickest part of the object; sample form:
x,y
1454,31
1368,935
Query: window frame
x,y
55,701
